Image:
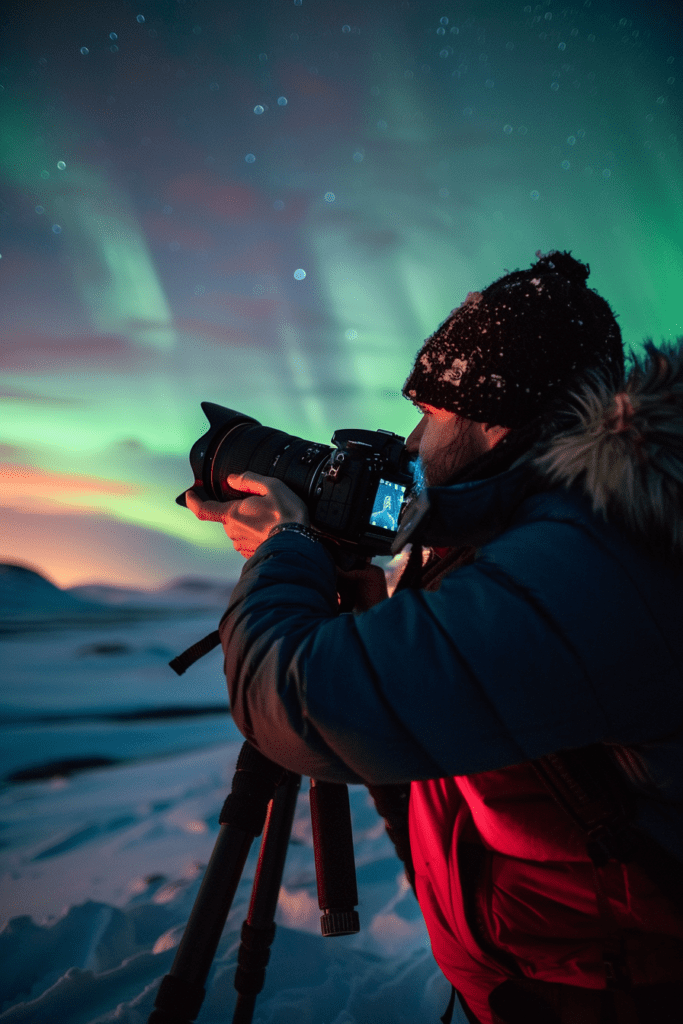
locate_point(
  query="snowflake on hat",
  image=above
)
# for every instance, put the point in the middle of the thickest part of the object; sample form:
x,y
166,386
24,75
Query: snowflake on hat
x,y
455,373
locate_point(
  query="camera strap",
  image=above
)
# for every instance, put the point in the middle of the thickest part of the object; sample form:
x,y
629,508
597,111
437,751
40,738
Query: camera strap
x,y
194,653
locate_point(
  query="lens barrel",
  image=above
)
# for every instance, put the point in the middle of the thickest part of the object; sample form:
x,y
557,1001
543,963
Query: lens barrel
x,y
235,443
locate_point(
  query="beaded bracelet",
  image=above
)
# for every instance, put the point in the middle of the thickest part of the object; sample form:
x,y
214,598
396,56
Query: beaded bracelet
x,y
294,528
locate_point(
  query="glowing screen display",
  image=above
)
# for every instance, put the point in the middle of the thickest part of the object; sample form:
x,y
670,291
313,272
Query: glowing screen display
x,y
387,505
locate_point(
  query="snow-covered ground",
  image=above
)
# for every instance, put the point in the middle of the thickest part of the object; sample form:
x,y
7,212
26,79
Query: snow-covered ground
x,y
119,771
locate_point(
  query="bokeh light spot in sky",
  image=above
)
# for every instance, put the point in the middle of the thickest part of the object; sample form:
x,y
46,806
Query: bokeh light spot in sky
x,y
346,29
351,335
258,109
299,274
329,197
507,129
57,229
85,51
45,175
250,158
61,165
113,36
40,209
282,101
359,155
535,194
140,19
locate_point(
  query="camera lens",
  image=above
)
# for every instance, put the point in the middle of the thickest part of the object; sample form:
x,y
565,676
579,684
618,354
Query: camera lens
x,y
236,443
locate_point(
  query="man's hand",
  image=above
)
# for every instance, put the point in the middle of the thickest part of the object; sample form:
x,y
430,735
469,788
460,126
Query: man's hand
x,y
248,521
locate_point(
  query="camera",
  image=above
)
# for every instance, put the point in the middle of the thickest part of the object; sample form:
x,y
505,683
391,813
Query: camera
x,y
355,491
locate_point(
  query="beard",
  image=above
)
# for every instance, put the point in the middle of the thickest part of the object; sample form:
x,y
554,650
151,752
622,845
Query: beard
x,y
438,469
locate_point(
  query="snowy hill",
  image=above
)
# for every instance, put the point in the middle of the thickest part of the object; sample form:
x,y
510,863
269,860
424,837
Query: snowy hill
x,y
29,601
188,592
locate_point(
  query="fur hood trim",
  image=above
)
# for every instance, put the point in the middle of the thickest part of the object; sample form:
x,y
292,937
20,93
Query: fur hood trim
x,y
625,448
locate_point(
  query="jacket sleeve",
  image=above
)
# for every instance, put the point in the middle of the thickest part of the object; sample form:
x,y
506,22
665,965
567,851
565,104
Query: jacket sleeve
x,y
512,658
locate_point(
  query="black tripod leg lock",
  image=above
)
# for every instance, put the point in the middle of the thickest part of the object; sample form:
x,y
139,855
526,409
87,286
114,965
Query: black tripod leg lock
x,y
253,957
256,779
177,999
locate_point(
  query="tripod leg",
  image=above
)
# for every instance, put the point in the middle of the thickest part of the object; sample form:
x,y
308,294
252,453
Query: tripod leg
x,y
181,992
258,931
335,867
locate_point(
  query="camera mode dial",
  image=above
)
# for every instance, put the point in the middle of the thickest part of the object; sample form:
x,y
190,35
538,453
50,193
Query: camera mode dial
x,y
335,465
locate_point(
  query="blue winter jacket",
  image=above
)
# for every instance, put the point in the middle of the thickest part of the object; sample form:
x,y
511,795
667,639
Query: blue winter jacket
x,y
567,630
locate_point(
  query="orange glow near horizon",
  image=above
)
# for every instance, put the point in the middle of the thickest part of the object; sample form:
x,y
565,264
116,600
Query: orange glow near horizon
x,y
25,485
73,546
59,568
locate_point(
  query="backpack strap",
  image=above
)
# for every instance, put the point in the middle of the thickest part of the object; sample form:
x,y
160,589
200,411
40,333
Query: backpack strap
x,y
587,785
596,787
599,799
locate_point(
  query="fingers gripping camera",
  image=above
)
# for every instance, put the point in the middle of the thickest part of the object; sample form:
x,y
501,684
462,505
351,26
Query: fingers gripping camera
x,y
354,495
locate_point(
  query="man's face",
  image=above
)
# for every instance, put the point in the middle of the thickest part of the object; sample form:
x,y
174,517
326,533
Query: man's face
x,y
447,441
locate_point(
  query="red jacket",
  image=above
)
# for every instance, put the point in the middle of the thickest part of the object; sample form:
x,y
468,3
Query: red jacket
x,y
535,894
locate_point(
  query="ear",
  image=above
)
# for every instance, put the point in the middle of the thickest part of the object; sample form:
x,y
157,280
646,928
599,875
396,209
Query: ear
x,y
495,433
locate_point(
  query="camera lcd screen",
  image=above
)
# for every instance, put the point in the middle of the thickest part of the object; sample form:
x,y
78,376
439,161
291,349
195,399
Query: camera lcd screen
x,y
387,505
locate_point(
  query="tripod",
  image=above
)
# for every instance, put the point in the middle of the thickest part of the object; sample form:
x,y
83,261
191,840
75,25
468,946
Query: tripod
x,y
262,792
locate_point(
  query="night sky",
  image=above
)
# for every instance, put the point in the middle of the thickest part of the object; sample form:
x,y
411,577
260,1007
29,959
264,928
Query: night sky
x,y
169,169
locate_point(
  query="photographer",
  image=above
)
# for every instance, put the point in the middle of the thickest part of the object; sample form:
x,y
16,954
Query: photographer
x,y
524,685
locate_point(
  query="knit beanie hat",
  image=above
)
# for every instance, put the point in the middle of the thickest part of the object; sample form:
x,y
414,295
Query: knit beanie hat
x,y
506,352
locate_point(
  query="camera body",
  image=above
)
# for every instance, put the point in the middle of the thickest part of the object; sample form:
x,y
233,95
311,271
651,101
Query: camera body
x,y
355,491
